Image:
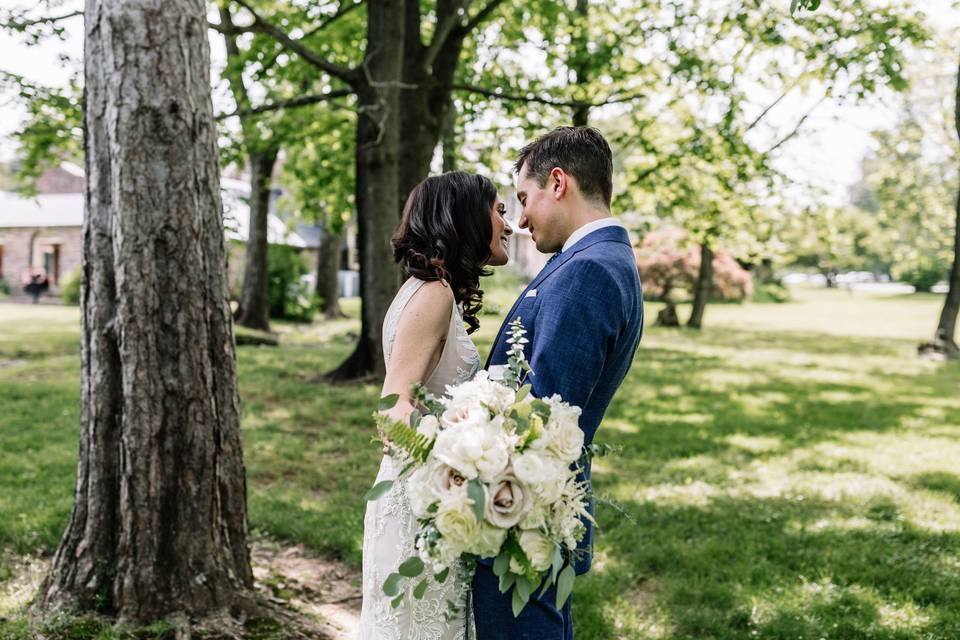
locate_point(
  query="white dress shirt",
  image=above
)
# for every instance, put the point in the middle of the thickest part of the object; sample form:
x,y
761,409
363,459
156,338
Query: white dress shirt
x,y
588,228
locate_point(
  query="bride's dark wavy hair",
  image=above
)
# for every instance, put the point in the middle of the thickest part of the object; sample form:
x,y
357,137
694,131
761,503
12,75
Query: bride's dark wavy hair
x,y
445,235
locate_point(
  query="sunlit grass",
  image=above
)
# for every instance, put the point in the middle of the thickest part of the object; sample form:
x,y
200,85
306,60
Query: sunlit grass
x,y
789,472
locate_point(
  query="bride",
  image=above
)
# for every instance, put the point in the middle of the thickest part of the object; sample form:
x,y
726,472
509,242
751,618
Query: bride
x,y
453,226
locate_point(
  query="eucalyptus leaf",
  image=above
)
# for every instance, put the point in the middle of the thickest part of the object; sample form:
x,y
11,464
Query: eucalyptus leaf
x,y
391,586
476,493
396,601
506,581
442,576
388,402
411,567
501,564
420,589
519,602
378,490
565,585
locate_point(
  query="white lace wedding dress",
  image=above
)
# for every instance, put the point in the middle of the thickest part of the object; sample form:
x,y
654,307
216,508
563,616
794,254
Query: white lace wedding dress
x,y
389,525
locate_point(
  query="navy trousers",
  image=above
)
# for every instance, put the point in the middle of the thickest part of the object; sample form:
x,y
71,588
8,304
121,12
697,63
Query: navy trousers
x,y
539,620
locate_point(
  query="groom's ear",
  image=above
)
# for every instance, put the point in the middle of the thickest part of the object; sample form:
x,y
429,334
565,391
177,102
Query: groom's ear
x,y
559,180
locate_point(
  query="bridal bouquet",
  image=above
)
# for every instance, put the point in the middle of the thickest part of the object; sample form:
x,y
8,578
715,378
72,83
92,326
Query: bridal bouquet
x,y
491,472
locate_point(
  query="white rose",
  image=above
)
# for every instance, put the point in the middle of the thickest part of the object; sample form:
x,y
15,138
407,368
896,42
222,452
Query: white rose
x,y
529,466
420,491
489,540
545,474
508,502
535,518
538,548
562,413
457,524
428,427
566,442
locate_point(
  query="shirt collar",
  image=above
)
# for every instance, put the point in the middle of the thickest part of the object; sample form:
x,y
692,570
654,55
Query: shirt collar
x,y
589,228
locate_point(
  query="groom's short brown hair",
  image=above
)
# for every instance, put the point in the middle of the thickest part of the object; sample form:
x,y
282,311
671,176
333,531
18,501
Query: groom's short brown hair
x,y
582,152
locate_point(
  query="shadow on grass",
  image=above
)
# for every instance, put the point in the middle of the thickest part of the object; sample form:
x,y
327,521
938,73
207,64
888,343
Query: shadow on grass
x,y
772,568
938,481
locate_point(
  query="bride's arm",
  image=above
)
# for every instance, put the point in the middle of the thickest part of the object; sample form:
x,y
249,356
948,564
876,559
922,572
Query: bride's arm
x,y
421,331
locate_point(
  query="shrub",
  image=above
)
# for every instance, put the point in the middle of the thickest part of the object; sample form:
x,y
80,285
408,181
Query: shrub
x,y
290,297
4,288
70,288
923,275
771,292
668,261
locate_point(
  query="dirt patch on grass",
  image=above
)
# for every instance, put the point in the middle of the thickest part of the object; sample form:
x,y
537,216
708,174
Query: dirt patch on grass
x,y
297,581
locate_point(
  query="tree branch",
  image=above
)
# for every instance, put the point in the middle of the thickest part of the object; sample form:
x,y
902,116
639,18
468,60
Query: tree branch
x,y
299,101
444,29
326,23
500,95
482,15
796,129
21,25
350,76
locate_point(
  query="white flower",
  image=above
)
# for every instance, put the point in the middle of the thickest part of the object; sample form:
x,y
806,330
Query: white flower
x,y
428,427
535,518
457,523
562,413
566,441
474,447
481,390
489,540
545,474
508,503
538,548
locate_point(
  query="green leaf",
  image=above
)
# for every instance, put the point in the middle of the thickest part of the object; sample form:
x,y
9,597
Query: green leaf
x,y
524,587
396,601
506,581
415,417
556,565
541,408
391,586
476,493
378,490
411,567
420,589
519,602
522,392
388,402
501,564
565,585
442,576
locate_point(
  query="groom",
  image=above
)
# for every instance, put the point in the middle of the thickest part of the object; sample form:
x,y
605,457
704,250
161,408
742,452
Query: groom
x,y
583,314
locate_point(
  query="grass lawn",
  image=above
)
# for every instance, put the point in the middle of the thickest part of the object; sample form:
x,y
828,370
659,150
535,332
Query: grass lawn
x,y
792,471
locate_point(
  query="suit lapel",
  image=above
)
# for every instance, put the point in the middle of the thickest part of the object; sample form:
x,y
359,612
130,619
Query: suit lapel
x,y
606,234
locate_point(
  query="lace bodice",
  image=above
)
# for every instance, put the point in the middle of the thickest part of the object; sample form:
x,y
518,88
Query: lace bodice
x,y
389,527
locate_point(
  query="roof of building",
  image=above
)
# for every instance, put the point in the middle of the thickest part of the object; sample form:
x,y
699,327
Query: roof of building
x,y
45,210
66,210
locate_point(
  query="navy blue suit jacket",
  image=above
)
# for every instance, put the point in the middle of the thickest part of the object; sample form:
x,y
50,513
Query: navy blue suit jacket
x,y
583,320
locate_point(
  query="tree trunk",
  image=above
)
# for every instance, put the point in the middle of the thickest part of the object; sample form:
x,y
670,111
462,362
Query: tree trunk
x,y
580,61
703,287
254,309
947,326
449,138
159,520
377,187
328,265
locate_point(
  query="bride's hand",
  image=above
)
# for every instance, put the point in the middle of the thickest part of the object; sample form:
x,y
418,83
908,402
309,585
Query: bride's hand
x,y
399,412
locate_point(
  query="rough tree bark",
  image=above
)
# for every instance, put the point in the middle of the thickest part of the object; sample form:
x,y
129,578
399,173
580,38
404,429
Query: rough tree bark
x,y
947,326
703,287
328,264
254,309
159,521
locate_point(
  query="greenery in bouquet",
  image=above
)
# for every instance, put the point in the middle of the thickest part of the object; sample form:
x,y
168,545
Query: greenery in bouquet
x,y
491,472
